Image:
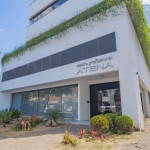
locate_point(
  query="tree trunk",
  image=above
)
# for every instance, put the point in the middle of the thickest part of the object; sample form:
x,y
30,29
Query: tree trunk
x,y
3,124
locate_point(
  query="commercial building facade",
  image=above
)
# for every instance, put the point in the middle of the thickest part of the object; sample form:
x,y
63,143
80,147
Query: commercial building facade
x,y
87,72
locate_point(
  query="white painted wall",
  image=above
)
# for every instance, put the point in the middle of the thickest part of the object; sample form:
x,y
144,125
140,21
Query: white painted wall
x,y
56,16
5,100
138,58
84,96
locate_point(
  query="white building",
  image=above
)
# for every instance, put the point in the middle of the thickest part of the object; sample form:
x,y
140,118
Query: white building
x,y
100,68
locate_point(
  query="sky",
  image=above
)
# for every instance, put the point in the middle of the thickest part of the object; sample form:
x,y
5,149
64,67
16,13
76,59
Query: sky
x,y
14,21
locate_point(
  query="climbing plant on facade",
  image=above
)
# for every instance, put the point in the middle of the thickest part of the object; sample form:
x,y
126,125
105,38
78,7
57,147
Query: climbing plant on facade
x,y
98,12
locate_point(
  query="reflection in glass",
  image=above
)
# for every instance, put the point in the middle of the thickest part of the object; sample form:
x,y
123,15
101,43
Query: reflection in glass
x,y
47,10
109,101
38,102
29,101
64,99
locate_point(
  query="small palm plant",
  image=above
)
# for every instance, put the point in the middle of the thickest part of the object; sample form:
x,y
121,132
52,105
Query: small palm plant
x,y
54,115
5,116
15,113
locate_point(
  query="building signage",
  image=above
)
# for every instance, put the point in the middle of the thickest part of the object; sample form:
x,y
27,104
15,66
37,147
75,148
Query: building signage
x,y
95,65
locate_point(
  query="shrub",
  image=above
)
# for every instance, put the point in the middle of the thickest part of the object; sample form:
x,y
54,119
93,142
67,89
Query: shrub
x,y
107,111
124,123
81,132
5,116
68,139
17,127
109,120
54,115
25,118
24,123
100,123
34,120
15,113
90,139
112,116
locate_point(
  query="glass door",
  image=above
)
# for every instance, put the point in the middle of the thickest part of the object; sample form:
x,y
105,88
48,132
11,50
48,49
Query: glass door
x,y
109,101
105,98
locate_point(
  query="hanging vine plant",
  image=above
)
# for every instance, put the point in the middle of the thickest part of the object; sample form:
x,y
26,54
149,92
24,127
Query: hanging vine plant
x,y
98,12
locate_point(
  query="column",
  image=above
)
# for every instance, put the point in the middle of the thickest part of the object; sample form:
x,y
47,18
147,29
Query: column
x,y
5,100
83,99
130,96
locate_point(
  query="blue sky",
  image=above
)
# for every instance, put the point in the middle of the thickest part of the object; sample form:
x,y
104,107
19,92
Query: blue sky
x,y
13,23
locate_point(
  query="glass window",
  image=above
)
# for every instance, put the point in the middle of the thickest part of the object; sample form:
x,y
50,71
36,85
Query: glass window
x,y
44,13
47,10
31,21
109,101
39,16
38,102
58,3
29,101
35,19
16,102
43,101
60,98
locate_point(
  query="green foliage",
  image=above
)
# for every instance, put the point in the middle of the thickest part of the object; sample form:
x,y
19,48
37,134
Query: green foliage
x,y
16,128
109,120
137,14
5,116
90,139
54,115
98,12
34,120
15,113
124,123
68,139
112,116
100,123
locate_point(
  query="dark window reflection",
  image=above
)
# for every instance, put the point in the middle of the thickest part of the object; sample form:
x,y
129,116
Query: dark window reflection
x,y
29,101
47,10
109,101
64,99
38,102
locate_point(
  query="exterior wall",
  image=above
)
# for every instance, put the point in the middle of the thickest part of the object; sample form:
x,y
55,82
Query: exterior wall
x,y
72,39
139,62
60,14
5,100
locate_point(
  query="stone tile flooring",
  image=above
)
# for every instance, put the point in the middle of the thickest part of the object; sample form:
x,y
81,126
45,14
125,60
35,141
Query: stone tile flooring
x,y
39,140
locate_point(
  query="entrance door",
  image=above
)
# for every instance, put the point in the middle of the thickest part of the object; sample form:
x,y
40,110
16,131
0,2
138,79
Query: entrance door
x,y
105,98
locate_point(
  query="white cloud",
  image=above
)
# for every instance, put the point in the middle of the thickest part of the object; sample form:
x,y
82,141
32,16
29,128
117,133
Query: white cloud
x,y
1,30
146,2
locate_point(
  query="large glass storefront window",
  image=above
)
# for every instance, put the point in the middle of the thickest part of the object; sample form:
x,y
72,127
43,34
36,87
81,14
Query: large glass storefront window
x,y
29,103
109,101
38,102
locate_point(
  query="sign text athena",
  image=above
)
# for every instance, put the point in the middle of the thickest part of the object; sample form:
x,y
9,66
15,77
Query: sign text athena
x,y
95,65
